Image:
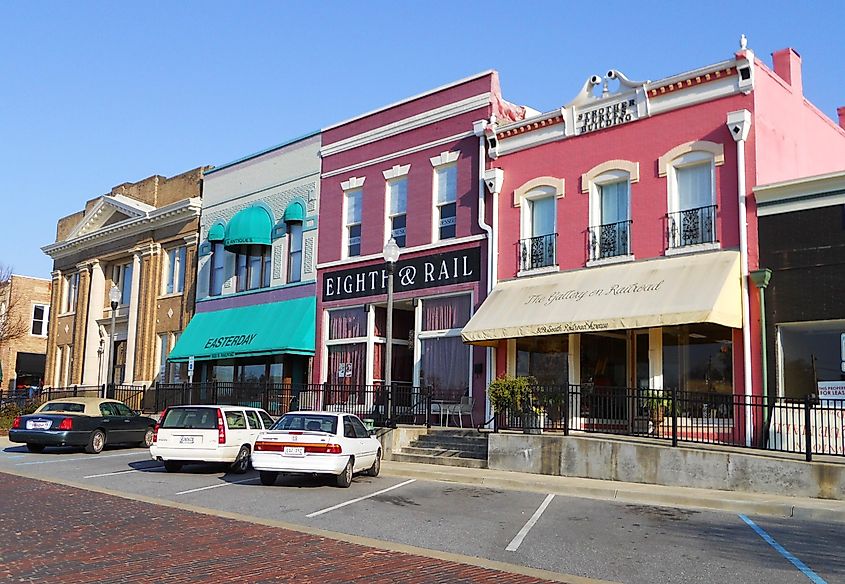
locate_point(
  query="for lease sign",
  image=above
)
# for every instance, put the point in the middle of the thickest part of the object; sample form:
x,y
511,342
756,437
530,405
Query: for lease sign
x,y
832,390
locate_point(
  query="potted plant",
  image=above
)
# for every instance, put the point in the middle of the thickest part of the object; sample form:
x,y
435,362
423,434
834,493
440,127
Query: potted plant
x,y
514,396
656,403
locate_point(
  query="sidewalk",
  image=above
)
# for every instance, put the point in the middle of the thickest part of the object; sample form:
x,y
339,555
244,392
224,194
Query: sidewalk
x,y
634,493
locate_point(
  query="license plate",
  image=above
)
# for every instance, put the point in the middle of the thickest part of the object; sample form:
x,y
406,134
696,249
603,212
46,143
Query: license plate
x,y
294,451
186,440
38,424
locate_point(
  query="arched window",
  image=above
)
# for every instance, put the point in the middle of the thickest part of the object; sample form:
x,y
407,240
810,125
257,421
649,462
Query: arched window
x,y
294,251
609,187
537,200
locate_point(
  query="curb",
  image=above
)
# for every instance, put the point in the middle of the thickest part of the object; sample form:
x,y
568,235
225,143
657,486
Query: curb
x,y
630,493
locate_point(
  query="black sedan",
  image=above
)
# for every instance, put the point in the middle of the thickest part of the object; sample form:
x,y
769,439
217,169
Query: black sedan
x,y
82,421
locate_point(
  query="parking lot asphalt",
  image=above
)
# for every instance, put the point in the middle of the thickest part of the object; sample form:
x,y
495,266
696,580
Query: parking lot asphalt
x,y
554,533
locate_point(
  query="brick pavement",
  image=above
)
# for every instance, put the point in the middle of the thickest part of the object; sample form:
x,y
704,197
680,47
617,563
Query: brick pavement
x,y
56,533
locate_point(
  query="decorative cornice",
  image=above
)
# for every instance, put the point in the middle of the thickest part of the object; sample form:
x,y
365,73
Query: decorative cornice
x,y
395,172
444,158
530,124
697,78
410,123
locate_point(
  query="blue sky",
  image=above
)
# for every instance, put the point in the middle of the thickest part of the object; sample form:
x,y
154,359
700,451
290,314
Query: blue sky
x,y
94,94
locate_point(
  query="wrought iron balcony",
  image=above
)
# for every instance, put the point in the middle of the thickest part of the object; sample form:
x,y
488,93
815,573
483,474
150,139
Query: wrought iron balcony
x,y
538,252
610,240
692,226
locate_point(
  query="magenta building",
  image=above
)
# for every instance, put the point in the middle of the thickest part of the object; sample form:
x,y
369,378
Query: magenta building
x,y
410,171
628,230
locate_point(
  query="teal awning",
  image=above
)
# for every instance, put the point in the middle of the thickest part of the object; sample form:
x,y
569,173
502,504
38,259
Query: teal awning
x,y
250,226
217,233
294,213
248,331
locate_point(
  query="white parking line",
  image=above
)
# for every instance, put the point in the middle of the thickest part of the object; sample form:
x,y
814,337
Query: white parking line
x,y
108,474
216,486
516,541
339,505
92,457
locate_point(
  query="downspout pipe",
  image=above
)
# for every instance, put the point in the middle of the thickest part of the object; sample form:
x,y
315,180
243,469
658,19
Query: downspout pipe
x,y
739,124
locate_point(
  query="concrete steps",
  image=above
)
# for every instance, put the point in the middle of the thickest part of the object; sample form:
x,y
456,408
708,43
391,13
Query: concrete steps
x,y
464,448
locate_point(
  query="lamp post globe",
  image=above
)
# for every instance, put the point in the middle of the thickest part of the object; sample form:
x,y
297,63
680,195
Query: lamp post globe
x,y
114,297
391,256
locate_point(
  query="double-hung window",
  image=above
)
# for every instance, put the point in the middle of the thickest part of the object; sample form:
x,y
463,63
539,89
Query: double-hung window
x,y
609,187
446,196
294,251
40,316
218,269
353,222
253,268
397,195
122,278
174,272
70,292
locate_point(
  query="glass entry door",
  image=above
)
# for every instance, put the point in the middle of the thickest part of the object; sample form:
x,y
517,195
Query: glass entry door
x,y
604,381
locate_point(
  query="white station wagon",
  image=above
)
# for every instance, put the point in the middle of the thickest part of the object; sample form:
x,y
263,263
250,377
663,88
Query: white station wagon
x,y
226,434
316,443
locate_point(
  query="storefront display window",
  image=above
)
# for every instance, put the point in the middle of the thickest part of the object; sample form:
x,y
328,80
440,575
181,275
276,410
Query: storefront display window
x,y
347,323
809,353
545,358
698,358
445,358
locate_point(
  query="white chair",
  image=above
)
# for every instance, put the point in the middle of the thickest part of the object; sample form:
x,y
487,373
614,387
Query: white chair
x,y
461,409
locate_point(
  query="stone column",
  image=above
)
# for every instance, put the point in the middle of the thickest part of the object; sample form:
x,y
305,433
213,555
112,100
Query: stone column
x,y
79,322
132,325
149,285
50,375
96,300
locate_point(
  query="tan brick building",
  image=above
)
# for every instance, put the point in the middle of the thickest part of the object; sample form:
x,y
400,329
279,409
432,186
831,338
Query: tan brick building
x,y
140,238
24,308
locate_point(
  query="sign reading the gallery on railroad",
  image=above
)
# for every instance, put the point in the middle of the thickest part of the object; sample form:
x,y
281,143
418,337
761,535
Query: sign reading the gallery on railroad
x,y
444,269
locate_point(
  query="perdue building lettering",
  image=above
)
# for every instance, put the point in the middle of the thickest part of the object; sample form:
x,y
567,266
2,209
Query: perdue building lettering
x,y
443,269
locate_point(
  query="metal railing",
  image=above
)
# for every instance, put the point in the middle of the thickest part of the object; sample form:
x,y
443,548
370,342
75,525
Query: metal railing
x,y
538,252
610,240
807,426
691,226
385,406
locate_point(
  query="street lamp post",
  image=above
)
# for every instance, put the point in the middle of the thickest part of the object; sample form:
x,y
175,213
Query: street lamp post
x,y
114,298
391,255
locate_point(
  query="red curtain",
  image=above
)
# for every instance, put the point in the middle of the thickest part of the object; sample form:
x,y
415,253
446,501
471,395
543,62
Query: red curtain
x,y
445,313
347,323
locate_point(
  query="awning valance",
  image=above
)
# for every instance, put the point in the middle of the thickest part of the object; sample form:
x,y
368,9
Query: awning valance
x,y
250,226
246,331
703,287
217,233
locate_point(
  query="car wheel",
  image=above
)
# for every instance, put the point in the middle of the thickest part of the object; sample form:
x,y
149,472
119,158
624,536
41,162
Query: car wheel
x,y
241,464
344,479
172,466
35,447
148,439
374,470
96,442
268,478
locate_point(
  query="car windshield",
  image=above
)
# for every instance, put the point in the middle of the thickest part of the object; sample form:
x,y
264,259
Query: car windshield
x,y
307,422
62,407
190,418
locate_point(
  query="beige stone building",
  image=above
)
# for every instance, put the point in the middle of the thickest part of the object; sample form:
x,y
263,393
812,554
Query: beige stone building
x,y
24,321
141,239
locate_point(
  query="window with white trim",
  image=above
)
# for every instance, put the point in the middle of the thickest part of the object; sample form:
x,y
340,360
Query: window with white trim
x,y
217,272
40,319
445,200
610,215
69,294
174,270
397,201
538,245
294,251
352,220
122,278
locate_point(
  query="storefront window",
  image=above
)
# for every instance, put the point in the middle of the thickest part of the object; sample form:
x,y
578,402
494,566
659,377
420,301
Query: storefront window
x,y
347,372
545,358
809,353
698,358
347,323
445,358
604,359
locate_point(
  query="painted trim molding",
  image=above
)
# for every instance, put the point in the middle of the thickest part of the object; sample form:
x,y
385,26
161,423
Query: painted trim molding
x,y
353,182
444,158
632,168
717,150
557,184
397,171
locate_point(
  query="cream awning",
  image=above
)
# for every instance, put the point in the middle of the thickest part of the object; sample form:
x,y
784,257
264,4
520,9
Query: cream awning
x,y
702,287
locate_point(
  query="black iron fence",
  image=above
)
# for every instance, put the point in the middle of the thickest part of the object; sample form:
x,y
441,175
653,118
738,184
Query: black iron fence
x,y
131,395
385,406
538,252
610,240
808,426
691,226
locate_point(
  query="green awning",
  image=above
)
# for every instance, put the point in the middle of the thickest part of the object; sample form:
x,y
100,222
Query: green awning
x,y
250,226
248,331
217,232
294,213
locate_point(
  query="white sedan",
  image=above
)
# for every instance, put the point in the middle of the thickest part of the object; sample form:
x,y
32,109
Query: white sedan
x,y
316,443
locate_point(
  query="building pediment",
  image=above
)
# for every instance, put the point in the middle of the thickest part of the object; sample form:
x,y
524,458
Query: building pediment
x,y
108,211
